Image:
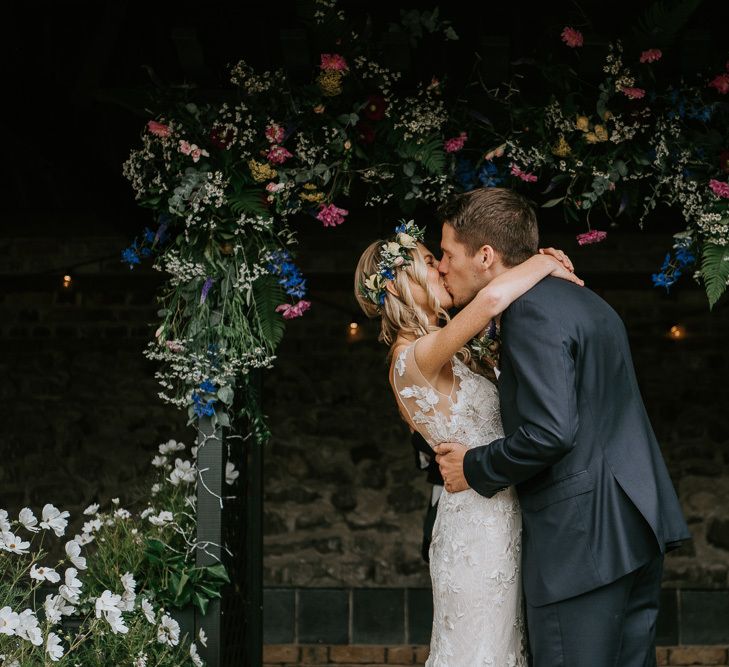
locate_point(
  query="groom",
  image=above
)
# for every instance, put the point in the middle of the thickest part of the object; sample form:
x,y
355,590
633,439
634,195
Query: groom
x,y
598,507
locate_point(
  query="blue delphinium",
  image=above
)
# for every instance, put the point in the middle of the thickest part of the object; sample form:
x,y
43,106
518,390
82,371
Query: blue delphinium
x,y
281,266
208,386
131,256
465,173
673,268
489,175
203,408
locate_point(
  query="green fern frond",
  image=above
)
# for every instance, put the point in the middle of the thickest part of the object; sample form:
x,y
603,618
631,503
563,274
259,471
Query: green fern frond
x,y
247,201
430,154
715,271
267,294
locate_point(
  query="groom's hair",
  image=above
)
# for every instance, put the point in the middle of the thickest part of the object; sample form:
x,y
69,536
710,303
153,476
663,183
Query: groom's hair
x,y
498,217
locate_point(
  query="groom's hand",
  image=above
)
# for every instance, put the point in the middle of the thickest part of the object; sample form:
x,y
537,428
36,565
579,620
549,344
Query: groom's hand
x,y
449,456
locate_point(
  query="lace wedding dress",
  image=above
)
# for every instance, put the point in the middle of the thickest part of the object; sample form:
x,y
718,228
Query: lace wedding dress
x,y
475,551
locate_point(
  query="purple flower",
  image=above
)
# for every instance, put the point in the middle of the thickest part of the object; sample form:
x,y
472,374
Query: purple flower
x,y
205,289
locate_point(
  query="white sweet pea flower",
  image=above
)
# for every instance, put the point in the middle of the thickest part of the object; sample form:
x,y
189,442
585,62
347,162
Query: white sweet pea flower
x,y
148,610
53,647
92,509
231,474
73,552
28,628
27,518
9,621
54,519
159,461
71,589
162,519
44,574
195,657
184,472
13,543
168,631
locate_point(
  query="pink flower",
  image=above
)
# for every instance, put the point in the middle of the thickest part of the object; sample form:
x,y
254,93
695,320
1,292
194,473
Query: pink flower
x,y
651,55
159,129
174,346
523,175
721,83
572,37
594,236
274,187
633,93
275,133
297,310
278,155
333,61
331,215
719,188
193,150
456,143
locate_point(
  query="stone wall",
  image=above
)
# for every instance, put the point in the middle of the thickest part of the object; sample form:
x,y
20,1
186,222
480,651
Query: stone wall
x,y
343,501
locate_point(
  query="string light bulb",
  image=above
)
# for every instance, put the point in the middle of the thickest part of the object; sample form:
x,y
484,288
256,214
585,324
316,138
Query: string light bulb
x,y
353,328
67,280
677,332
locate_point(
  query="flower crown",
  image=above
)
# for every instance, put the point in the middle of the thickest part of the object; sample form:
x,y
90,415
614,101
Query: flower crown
x,y
394,255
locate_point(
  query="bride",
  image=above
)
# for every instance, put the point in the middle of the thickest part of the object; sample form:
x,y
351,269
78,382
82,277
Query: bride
x,y
475,549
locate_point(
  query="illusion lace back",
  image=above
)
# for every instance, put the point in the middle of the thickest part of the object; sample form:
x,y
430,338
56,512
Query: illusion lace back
x,y
475,551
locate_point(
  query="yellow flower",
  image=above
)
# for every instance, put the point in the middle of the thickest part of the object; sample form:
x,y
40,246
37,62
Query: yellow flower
x,y
309,186
261,172
583,123
314,197
601,133
562,149
591,138
330,82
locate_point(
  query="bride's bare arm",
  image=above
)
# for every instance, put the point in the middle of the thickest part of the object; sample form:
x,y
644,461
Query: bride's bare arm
x,y
435,349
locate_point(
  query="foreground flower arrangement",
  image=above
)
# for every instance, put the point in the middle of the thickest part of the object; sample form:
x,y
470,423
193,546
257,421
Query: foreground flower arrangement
x,y
111,598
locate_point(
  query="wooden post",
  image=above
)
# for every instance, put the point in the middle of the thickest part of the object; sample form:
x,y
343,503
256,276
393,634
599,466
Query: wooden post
x,y
211,470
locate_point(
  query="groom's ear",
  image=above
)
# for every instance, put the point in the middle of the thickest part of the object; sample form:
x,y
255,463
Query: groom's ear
x,y
486,256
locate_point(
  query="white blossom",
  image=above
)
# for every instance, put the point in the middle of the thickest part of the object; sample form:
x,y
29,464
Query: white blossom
x,y
162,519
202,637
159,461
73,552
55,608
54,519
195,656
71,589
9,621
54,647
44,574
83,539
231,474
13,543
168,631
148,610
184,472
28,628
92,509
4,523
28,519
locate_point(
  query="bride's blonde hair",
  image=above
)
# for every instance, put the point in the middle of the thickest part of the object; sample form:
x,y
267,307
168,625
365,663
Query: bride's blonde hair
x,y
400,314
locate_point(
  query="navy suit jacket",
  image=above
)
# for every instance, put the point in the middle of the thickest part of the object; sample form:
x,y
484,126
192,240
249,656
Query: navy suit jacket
x,y
596,498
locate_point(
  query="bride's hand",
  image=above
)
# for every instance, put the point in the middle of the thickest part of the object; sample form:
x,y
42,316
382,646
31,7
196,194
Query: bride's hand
x,y
560,256
560,270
